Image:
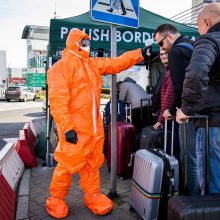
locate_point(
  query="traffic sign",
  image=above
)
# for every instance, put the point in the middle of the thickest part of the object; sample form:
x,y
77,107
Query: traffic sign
x,y
36,80
119,12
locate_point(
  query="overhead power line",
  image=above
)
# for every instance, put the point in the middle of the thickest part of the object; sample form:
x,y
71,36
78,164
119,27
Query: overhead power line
x,y
189,16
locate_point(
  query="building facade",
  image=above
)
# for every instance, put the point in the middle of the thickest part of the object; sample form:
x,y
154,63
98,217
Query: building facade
x,y
37,38
16,76
3,72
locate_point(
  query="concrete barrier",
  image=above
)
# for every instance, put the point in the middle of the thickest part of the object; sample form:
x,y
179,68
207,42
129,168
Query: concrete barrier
x,y
25,151
37,125
11,165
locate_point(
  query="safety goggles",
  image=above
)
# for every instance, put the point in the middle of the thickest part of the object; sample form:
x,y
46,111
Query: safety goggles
x,y
162,41
85,42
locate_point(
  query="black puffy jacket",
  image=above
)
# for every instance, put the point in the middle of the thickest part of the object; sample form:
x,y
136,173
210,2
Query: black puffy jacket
x,y
178,58
201,91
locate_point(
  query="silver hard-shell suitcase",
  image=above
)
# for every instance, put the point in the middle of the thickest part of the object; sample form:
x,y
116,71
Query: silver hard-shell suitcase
x,y
155,179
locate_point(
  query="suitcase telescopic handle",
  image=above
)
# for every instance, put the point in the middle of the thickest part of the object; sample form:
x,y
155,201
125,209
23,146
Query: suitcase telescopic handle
x,y
206,118
128,116
166,134
118,108
149,104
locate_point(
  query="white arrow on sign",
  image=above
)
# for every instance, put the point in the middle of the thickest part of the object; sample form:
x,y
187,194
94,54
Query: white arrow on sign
x,y
116,7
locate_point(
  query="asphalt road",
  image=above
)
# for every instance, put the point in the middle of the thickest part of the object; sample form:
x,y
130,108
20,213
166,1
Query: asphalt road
x,y
13,116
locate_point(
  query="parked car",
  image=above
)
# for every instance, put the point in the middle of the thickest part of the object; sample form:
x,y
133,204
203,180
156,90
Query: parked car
x,y
21,93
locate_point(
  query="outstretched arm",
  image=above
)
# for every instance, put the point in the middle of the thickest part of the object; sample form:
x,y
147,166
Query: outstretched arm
x,y
118,64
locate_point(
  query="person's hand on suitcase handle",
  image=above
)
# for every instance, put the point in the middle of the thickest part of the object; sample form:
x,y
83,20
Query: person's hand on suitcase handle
x,y
180,116
167,115
157,126
71,136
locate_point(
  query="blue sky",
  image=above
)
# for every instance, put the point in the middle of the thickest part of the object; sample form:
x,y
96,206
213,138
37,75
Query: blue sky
x,y
16,14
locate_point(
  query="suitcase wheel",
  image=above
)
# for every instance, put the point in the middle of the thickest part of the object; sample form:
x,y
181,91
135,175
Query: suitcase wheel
x,y
122,178
131,209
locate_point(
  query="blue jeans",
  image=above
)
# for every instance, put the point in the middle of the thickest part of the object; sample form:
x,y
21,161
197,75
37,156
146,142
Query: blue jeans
x,y
214,158
192,173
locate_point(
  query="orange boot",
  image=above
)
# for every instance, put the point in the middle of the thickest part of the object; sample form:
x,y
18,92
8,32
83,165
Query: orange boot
x,y
98,203
57,208
61,181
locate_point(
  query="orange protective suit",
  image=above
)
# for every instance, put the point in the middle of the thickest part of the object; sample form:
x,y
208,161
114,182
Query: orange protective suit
x,y
75,85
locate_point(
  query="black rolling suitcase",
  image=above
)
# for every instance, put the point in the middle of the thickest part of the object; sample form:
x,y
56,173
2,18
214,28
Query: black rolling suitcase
x,y
205,207
194,207
151,138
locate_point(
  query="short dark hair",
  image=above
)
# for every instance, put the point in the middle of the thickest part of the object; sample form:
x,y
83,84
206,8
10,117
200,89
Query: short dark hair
x,y
163,28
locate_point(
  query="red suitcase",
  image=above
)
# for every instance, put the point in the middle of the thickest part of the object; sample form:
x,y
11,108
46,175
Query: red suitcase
x,y
125,148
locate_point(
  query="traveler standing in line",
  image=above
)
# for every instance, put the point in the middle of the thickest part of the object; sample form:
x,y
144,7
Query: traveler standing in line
x,y
201,93
130,91
166,90
179,49
74,88
166,102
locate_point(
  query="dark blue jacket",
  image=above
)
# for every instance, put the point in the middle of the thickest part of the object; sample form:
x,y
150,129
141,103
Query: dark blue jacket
x,y
178,58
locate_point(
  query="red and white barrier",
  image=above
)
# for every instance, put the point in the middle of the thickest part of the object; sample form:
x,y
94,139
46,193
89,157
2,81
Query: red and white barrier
x,y
36,125
29,135
7,201
12,160
11,165
25,151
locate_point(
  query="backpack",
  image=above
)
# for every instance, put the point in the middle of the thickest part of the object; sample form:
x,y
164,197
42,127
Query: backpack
x,y
187,45
121,111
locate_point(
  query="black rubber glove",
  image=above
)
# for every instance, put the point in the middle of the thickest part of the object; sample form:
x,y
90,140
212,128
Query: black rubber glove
x,y
146,51
71,136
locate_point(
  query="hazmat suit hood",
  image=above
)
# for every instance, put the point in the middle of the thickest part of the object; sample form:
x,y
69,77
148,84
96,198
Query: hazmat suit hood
x,y
128,79
73,43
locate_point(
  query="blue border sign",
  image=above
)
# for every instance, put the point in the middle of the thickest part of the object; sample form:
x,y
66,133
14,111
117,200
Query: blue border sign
x,y
119,12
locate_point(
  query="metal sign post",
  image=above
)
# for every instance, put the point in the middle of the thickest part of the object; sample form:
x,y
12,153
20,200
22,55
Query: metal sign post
x,y
124,13
48,118
113,191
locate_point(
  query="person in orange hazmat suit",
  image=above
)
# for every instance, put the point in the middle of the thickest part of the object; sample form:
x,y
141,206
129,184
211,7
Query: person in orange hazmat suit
x,y
74,90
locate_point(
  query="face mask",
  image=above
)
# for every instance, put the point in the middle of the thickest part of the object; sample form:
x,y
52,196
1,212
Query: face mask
x,y
87,48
